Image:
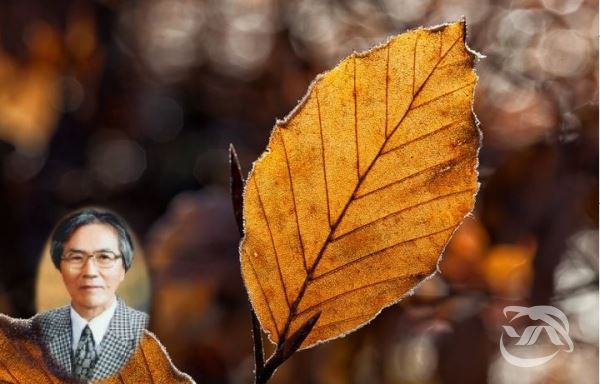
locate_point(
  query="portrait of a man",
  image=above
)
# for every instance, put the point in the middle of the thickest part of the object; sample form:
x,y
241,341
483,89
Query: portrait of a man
x,y
96,334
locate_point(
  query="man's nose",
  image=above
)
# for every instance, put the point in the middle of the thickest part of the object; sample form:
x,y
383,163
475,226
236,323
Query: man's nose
x,y
90,269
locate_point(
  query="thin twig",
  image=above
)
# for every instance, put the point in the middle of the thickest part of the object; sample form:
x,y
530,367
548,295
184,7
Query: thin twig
x,y
237,189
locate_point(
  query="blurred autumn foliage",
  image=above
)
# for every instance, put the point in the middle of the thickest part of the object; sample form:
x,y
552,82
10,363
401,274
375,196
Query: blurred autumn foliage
x,y
131,105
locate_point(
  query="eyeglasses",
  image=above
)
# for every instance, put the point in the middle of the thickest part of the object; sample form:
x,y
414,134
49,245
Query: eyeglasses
x,y
103,259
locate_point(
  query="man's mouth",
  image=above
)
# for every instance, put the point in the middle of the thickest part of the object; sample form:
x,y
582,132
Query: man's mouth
x,y
90,287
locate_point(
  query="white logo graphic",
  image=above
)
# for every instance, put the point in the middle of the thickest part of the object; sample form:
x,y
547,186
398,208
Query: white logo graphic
x,y
557,329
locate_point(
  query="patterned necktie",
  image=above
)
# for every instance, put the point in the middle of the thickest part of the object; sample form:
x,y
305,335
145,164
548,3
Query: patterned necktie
x,y
85,355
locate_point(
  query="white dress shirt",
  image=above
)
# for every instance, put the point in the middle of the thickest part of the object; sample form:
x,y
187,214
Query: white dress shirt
x,y
98,325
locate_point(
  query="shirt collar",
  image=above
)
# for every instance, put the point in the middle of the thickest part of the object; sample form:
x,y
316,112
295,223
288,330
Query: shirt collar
x,y
98,325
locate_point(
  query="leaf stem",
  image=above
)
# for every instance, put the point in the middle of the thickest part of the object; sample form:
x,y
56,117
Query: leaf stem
x,y
286,348
237,190
259,358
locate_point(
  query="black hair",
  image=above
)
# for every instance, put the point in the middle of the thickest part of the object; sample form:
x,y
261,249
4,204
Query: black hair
x,y
73,221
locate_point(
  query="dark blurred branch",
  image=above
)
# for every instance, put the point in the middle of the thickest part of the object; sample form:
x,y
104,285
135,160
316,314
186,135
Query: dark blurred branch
x,y
237,191
237,188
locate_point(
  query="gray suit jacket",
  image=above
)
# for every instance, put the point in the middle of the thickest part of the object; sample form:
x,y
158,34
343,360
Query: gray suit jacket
x,y
53,330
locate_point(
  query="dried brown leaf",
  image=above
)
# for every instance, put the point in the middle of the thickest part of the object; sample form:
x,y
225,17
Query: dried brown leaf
x,y
22,360
362,185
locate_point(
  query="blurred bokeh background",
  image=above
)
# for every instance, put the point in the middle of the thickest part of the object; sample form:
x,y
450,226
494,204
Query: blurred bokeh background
x,y
132,104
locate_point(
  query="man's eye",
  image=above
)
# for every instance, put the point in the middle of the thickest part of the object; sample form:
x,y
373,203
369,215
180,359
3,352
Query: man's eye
x,y
104,257
76,258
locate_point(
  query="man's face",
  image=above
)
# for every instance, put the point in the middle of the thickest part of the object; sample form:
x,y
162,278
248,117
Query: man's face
x,y
92,288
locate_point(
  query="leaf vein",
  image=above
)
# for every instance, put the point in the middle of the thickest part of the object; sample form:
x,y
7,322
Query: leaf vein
x,y
287,162
9,372
287,300
375,253
387,81
347,320
356,124
145,363
401,211
457,159
441,96
454,64
437,130
414,66
262,291
439,46
323,156
386,281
